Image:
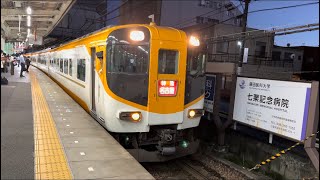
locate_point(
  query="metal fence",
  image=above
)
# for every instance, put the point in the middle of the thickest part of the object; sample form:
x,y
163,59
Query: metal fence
x,y
252,60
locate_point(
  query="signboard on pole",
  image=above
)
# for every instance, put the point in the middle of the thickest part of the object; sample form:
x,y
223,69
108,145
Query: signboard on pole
x,y
209,92
280,107
35,40
245,55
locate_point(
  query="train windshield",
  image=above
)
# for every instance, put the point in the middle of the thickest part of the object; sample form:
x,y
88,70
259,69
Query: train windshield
x,y
125,55
196,59
196,62
128,63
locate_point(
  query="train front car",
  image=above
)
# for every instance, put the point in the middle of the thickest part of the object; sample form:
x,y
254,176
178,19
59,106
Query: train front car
x,y
154,85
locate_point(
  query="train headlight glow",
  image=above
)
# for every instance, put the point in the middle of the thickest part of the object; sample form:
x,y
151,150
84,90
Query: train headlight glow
x,y
136,35
135,116
193,113
194,41
130,116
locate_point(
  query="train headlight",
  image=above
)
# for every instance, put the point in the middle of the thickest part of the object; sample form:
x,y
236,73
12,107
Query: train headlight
x,y
135,116
194,41
193,113
130,116
136,35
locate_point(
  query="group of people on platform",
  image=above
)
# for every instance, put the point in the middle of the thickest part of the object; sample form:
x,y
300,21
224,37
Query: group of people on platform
x,y
14,60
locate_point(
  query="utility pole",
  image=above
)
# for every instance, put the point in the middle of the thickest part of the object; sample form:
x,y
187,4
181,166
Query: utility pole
x,y
244,28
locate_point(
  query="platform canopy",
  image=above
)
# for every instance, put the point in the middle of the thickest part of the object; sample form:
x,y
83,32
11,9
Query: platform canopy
x,y
44,16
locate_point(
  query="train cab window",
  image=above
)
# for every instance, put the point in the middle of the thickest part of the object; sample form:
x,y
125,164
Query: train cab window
x,y
195,80
81,69
70,67
128,59
125,55
61,65
168,61
196,62
56,63
65,66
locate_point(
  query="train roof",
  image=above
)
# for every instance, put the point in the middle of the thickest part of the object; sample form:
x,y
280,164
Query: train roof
x,y
157,32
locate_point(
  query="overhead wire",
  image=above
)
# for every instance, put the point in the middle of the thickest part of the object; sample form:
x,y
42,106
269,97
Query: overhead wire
x,y
260,10
192,19
278,32
272,30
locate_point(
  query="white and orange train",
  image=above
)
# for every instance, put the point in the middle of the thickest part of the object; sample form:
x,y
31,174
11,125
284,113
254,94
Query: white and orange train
x,y
143,83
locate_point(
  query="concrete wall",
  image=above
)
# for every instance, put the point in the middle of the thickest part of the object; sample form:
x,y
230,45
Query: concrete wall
x,y
292,165
183,13
137,12
297,60
248,147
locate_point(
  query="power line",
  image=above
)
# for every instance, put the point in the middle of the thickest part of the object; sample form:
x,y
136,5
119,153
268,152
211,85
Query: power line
x,y
113,10
260,10
275,32
192,19
183,22
270,9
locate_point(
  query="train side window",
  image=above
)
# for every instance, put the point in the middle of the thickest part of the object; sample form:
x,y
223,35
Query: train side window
x,y
61,65
168,61
70,67
81,69
56,63
65,66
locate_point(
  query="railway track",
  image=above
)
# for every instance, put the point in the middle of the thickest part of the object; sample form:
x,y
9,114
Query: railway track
x,y
196,172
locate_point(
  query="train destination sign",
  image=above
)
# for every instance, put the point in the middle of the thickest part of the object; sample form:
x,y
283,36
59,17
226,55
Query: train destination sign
x,y
280,107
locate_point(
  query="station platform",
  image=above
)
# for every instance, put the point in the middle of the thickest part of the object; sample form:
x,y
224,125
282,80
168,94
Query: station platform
x,y
45,134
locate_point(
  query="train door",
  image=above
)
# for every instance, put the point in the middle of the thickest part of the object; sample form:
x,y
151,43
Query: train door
x,y
98,59
168,79
93,80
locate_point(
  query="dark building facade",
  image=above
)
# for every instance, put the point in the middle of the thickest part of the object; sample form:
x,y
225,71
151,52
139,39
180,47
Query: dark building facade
x,y
310,63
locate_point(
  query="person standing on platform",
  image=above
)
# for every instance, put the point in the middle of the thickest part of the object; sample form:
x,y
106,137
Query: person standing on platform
x,y
3,62
12,64
22,63
28,63
6,64
18,60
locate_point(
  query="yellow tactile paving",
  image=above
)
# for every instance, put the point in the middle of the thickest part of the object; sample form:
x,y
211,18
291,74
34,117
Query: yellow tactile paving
x,y
50,161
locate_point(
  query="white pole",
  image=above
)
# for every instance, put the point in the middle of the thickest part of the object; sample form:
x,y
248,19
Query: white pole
x,y
19,22
270,138
151,17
